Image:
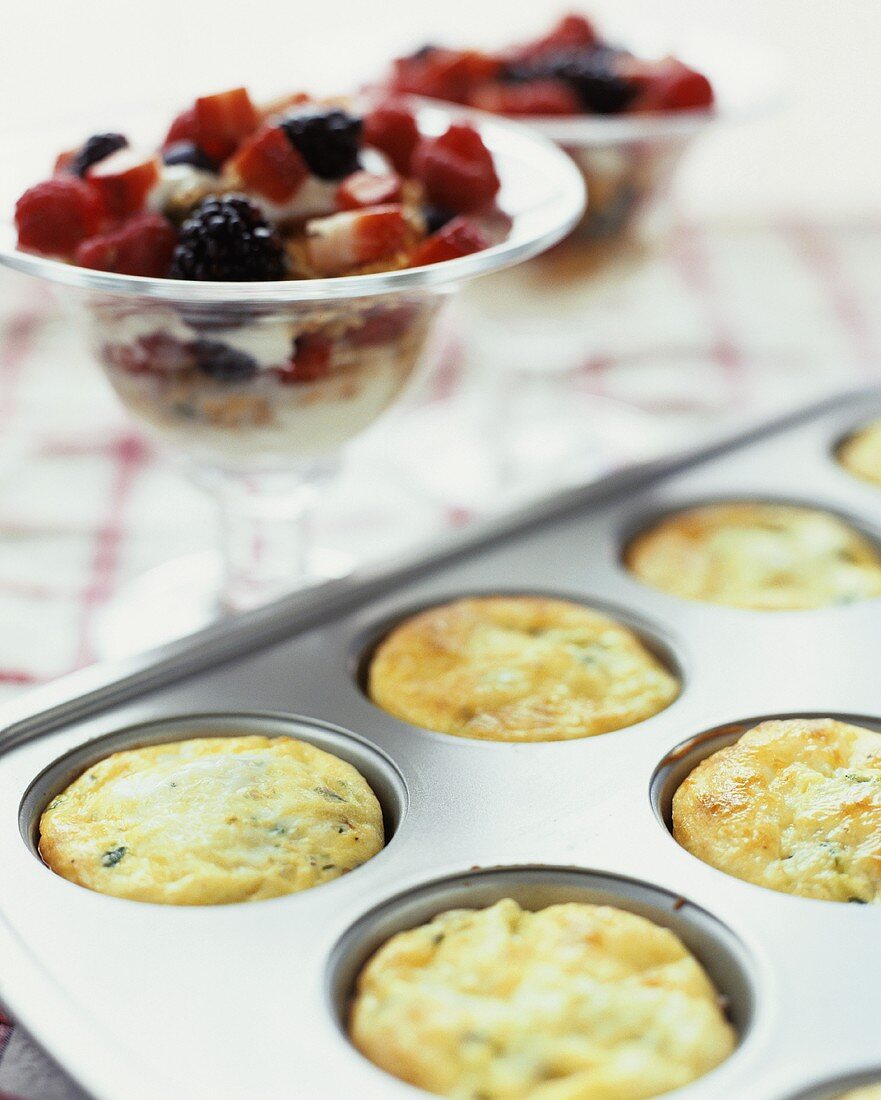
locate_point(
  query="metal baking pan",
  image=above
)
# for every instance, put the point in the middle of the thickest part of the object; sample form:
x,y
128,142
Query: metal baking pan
x,y
228,1002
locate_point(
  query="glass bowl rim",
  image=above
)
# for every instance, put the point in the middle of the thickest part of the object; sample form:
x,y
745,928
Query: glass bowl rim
x,y
551,160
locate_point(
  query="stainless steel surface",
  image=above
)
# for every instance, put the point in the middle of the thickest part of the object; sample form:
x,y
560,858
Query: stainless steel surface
x,y
143,1001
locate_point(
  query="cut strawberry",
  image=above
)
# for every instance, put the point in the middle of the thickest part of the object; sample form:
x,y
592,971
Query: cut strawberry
x,y
363,189
184,128
460,237
124,180
457,169
310,362
54,216
142,246
391,128
342,241
223,120
269,165
668,85
382,325
444,74
533,97
63,162
572,33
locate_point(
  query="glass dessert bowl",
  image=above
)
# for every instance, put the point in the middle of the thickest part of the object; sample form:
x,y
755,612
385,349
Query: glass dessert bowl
x,y
627,115
258,382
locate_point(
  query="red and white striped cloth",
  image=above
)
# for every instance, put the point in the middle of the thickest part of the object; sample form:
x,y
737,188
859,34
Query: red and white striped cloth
x,y
730,322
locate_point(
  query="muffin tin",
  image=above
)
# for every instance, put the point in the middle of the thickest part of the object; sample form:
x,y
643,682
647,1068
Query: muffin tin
x,y
140,1001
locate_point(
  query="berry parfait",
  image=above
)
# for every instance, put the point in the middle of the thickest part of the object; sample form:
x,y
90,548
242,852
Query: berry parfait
x,y
626,109
261,287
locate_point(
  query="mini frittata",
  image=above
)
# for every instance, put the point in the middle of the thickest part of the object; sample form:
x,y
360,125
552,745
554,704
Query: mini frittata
x,y
573,1002
768,557
861,452
793,805
518,668
212,820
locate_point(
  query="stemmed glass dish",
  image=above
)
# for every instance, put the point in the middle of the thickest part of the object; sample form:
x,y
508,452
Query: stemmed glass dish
x,y
262,442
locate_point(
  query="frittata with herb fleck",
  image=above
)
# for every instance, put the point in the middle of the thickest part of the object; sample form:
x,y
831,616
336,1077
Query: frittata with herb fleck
x,y
793,805
573,1002
212,820
861,452
768,557
518,668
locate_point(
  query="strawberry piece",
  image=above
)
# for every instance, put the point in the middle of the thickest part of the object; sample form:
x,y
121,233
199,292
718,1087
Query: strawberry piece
x,y
668,85
223,120
141,246
183,128
124,180
342,241
363,189
382,325
311,360
54,216
533,97
269,165
63,162
460,237
391,128
457,169
444,74
572,33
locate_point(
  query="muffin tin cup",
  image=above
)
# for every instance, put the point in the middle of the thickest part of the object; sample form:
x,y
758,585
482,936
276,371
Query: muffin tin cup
x,y
234,1001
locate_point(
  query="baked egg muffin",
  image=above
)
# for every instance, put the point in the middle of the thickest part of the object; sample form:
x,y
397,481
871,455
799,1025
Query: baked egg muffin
x,y
768,557
793,805
861,452
212,820
573,1002
518,668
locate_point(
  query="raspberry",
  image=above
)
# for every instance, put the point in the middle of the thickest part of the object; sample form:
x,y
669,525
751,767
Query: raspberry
x,y
227,239
96,148
54,216
391,128
310,362
187,152
269,165
328,140
363,189
444,74
535,97
223,363
144,245
460,237
457,169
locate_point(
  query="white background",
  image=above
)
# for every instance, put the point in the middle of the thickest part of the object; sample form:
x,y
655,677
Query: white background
x,y
73,66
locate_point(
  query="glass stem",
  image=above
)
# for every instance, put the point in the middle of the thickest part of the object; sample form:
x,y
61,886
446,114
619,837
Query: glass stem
x,y
265,523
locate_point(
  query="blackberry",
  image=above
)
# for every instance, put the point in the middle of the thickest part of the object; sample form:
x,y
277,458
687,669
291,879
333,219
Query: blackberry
x,y
436,217
327,139
223,363
187,152
592,77
96,148
226,239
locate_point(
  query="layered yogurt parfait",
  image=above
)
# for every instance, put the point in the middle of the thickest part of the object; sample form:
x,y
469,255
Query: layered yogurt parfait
x,y
618,113
297,190
261,284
